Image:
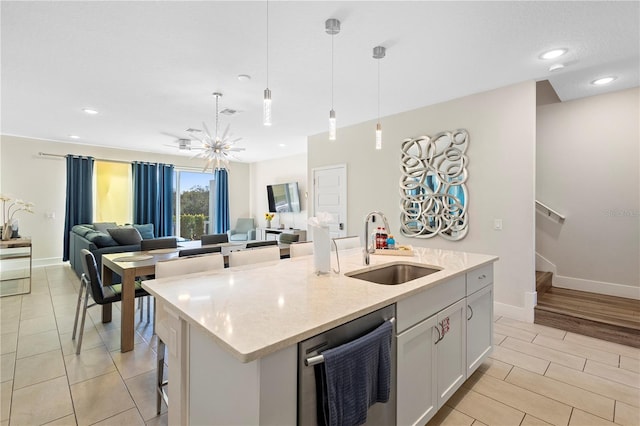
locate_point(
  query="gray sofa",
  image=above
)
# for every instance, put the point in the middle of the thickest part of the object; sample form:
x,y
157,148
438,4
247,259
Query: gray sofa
x,y
94,238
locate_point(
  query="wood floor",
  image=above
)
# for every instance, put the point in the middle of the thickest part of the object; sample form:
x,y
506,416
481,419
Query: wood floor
x,y
610,318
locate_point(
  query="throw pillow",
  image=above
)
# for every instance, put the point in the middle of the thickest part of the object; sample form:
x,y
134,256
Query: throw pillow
x,y
125,236
103,226
146,231
100,239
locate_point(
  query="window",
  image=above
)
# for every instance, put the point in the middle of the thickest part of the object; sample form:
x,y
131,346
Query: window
x,y
195,204
113,192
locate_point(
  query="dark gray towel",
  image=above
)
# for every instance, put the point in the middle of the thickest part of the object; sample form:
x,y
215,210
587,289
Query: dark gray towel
x,y
355,376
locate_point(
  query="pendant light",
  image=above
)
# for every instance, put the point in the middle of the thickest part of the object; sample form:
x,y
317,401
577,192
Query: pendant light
x,y
332,27
266,103
378,53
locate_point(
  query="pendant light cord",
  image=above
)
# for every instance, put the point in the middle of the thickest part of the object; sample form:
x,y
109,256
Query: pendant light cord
x,y
216,135
332,36
378,90
267,44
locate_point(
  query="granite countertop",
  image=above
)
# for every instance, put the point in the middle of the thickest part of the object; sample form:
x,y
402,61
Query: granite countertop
x,y
255,310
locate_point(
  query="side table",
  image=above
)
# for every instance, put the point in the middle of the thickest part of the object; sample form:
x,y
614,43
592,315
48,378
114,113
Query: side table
x,y
15,275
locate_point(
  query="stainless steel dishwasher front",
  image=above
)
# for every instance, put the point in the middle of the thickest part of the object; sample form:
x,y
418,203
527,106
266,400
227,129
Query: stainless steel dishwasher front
x,y
379,413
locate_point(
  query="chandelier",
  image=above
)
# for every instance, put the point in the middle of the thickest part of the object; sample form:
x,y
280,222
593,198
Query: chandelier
x,y
216,149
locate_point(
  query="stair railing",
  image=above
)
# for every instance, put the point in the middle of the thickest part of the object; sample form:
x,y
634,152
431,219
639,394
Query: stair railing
x,y
550,211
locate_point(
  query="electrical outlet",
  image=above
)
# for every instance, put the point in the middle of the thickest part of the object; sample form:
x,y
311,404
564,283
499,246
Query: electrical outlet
x,y
497,224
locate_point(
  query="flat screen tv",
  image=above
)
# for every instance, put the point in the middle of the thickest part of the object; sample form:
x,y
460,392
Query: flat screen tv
x,y
283,198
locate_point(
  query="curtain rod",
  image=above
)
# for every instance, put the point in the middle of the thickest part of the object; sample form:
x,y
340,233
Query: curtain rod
x,y
189,168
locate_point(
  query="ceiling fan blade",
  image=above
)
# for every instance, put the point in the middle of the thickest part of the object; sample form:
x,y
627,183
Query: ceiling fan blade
x,y
174,136
236,149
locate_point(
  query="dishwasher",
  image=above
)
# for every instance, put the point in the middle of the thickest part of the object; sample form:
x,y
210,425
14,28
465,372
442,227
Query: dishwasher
x,y
378,413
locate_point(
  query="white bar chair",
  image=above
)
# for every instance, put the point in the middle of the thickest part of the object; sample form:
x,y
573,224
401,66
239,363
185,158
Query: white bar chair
x,y
301,249
257,255
171,268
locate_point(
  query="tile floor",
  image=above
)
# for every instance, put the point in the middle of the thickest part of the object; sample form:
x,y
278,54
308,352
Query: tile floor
x,y
537,375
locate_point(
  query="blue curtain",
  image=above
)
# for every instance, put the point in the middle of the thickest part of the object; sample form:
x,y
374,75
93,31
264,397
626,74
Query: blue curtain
x,y
221,201
152,196
79,203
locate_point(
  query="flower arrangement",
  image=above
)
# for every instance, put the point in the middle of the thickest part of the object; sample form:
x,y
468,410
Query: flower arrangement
x,y
9,212
269,216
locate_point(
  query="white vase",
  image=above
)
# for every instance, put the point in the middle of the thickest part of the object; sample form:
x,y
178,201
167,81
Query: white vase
x,y
268,224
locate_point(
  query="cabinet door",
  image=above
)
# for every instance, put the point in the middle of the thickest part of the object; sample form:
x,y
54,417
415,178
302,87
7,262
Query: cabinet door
x,y
416,390
451,350
479,327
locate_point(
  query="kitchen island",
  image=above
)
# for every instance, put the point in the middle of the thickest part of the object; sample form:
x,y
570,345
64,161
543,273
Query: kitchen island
x,y
234,332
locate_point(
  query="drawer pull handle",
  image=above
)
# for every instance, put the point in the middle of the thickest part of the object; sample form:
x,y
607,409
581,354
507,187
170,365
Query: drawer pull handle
x,y
471,309
483,276
439,335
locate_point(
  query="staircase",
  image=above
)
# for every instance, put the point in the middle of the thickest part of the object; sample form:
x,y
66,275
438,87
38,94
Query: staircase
x,y
615,319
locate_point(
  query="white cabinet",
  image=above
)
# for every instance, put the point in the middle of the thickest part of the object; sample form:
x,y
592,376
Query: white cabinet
x,y
416,381
479,327
444,334
451,350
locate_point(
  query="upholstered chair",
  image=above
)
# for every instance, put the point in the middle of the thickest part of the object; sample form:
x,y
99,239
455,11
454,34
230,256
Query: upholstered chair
x,y
244,230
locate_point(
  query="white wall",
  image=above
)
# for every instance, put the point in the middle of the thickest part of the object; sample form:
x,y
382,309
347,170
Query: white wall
x,y
587,169
42,180
502,128
280,170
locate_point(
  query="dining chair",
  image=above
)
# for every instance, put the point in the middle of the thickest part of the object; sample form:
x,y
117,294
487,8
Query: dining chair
x,y
197,251
286,238
257,255
91,284
158,243
172,268
214,239
155,244
255,244
304,248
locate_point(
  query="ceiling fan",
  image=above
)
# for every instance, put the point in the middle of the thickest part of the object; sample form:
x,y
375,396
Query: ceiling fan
x,y
215,149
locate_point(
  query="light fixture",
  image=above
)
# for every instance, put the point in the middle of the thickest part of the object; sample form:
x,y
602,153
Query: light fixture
x,y
244,77
332,27
556,67
216,149
603,80
266,100
74,136
552,54
379,52
90,111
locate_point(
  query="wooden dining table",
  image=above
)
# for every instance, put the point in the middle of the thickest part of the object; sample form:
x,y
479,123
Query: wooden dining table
x,y
131,265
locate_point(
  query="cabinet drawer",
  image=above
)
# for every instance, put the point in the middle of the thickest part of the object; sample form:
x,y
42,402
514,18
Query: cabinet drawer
x,y
416,308
479,278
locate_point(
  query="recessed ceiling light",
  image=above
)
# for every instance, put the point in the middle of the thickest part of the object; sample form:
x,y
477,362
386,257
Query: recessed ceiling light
x,y
603,80
74,136
552,54
244,77
556,67
90,111
282,145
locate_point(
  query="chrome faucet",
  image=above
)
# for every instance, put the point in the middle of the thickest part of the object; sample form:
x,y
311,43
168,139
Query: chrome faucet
x,y
367,250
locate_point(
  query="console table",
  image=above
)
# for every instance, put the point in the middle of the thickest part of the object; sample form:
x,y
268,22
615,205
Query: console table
x,y
15,275
264,234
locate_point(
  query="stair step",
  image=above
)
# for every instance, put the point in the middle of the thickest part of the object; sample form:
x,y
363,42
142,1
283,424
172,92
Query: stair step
x,y
543,282
615,319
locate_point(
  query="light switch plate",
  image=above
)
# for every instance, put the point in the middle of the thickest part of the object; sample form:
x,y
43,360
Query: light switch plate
x,y
497,224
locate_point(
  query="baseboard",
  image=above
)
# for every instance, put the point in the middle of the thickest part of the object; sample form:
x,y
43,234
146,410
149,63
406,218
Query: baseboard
x,y
519,313
543,264
599,287
47,261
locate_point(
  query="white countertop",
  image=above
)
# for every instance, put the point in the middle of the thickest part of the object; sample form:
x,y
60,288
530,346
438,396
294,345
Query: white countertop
x,y
255,310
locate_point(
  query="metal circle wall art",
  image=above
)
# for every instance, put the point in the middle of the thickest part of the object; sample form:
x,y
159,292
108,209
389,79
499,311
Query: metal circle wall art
x,y
433,190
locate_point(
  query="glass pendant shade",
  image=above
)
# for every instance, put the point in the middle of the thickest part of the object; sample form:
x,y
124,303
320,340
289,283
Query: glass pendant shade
x,y
266,110
332,125
378,136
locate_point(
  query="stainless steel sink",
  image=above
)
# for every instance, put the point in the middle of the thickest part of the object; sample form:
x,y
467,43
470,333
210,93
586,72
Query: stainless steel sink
x,y
395,273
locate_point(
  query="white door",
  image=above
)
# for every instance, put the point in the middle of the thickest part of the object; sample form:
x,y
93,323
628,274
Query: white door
x,y
330,195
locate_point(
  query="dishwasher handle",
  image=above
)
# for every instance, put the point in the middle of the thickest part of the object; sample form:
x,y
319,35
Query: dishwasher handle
x,y
319,359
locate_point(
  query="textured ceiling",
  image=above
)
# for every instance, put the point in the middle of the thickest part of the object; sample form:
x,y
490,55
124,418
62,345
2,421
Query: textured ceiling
x,y
149,68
